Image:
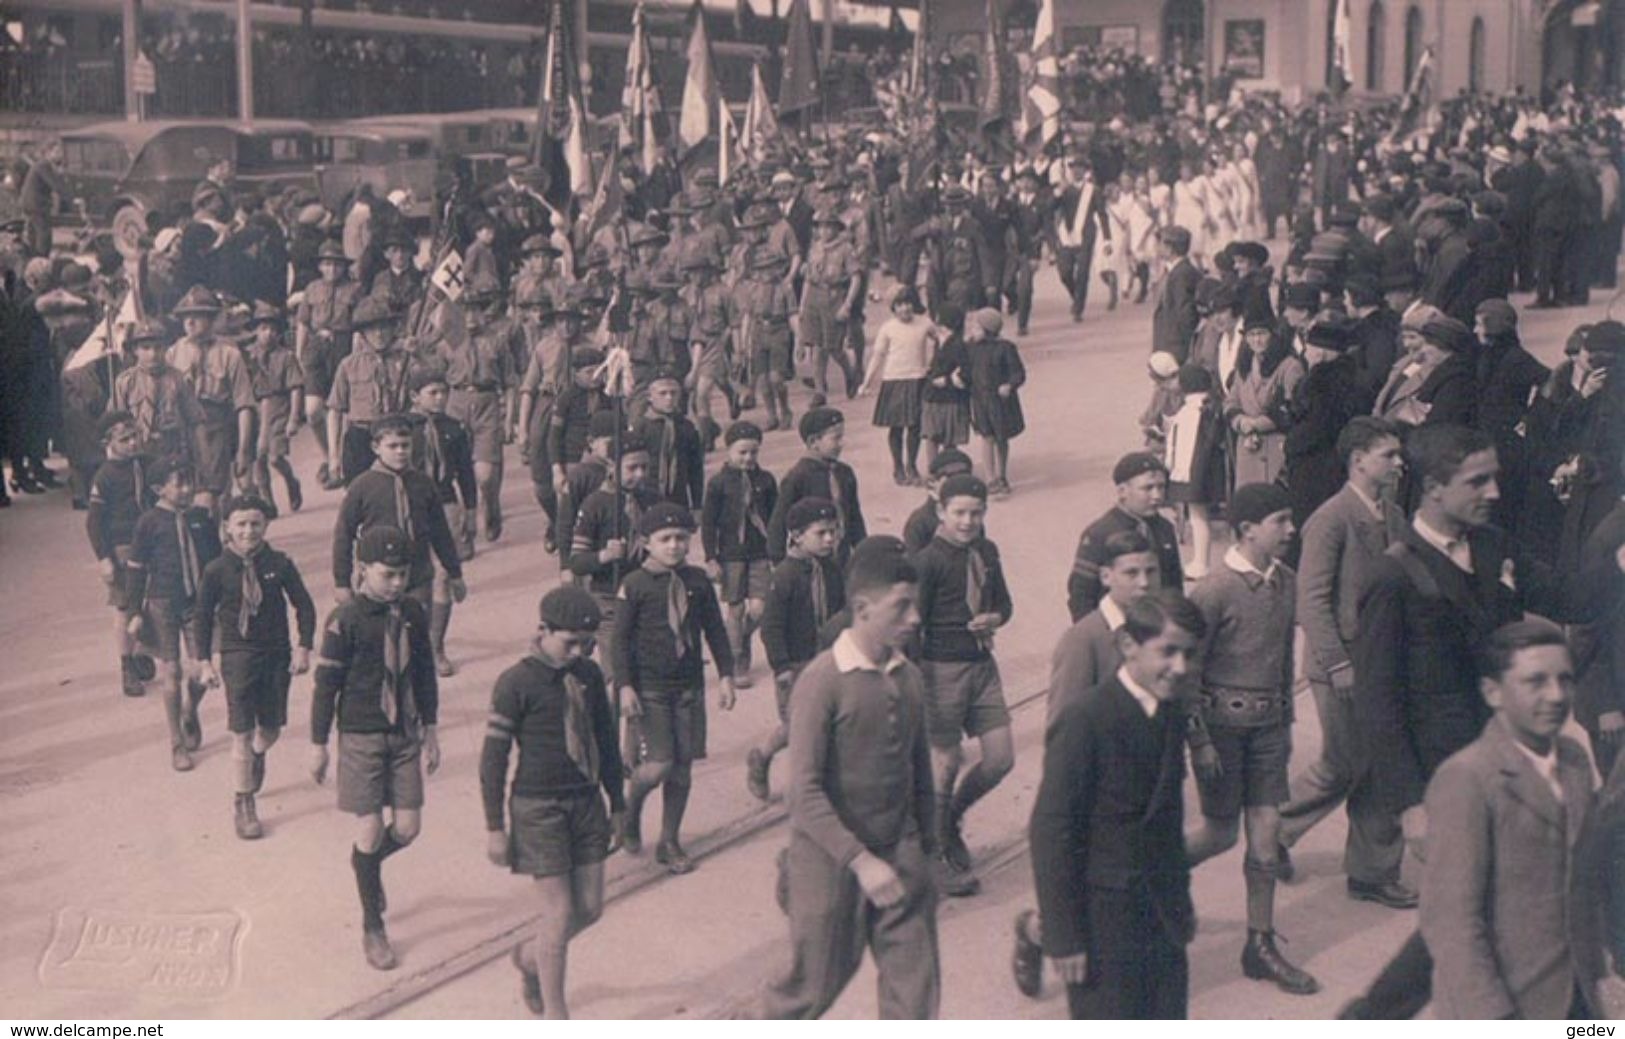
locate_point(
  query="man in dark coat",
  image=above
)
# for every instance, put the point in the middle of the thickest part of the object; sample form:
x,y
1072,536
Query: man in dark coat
x,y
1328,397
1448,278
1507,377
1375,338
1173,322
1555,213
1332,169
1519,182
1277,179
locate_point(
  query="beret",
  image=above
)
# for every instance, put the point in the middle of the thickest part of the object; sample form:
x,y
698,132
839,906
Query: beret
x,y
1164,365
248,503
1605,337
990,320
1255,502
423,375
112,420
949,462
742,430
818,421
385,545
1498,315
570,607
666,373
963,485
601,424
1137,463
1302,295
632,443
664,516
1449,334
807,511
159,472
391,424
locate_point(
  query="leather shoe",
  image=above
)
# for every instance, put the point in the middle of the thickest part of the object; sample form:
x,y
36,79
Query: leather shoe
x,y
1284,870
1390,893
671,855
530,986
1027,962
380,956
953,881
756,775
1262,961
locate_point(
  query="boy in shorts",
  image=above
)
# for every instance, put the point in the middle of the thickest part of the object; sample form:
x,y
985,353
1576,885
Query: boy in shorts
x,y
820,474
922,523
442,451
119,494
279,389
172,543
1240,751
676,455
806,591
245,596
554,705
665,607
733,528
375,678
963,601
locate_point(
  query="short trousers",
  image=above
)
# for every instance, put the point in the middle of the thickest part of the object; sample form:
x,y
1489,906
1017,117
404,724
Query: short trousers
x,y
962,698
481,412
168,623
774,359
673,725
355,451
318,366
1254,762
214,452
379,769
745,579
551,836
607,607
118,595
273,420
256,689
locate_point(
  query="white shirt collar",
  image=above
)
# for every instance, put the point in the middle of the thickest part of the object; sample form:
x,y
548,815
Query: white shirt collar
x,y
1148,703
849,658
1242,565
1454,549
1111,613
1545,765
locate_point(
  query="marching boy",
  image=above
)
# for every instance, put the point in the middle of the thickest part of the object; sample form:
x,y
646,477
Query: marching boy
x,y
963,601
1246,705
172,543
676,454
733,528
375,678
922,523
821,474
807,590
443,451
245,595
279,390
554,705
665,607
119,494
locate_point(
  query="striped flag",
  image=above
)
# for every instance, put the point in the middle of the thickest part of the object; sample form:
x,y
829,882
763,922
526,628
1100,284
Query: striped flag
x,y
640,97
1418,98
560,146
1041,103
701,94
1342,72
761,125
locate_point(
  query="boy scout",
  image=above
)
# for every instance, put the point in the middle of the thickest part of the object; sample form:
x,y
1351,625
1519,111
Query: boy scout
x,y
368,385
375,678
713,310
441,451
118,496
322,339
279,390
831,286
676,455
157,398
481,374
399,284
739,501
766,305
820,474
223,441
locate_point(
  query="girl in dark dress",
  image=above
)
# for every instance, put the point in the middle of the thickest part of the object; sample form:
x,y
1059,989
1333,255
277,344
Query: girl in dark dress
x,y
996,376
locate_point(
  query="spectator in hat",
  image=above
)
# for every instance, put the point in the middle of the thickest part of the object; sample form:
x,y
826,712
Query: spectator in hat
x,y
1396,250
399,282
41,195
1257,407
367,386
1556,216
1324,403
1519,181
1591,477
1375,335
1507,377
1436,386
223,442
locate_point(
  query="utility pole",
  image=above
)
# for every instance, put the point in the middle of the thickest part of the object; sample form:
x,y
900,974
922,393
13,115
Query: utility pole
x,y
132,53
245,64
827,43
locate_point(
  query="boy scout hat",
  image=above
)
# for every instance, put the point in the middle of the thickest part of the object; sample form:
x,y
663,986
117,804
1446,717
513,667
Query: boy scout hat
x,y
370,313
538,243
950,462
962,486
570,608
331,250
266,314
665,516
385,545
819,421
1136,463
1256,502
148,331
742,430
423,375
808,511
756,216
767,259
198,300
647,235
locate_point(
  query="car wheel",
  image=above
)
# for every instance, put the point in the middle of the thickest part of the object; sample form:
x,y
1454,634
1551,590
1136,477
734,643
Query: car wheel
x,y
129,228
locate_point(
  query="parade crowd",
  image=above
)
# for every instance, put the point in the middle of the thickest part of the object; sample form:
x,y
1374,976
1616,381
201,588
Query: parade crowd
x,y
1353,477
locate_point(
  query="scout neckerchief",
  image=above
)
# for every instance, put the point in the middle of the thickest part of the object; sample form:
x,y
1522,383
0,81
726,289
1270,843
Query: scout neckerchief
x,y
397,662
835,495
676,604
976,588
820,588
188,554
403,504
253,594
748,516
1080,215
434,459
579,742
668,454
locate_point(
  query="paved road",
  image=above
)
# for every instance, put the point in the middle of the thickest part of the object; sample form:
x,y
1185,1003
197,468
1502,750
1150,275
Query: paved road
x,y
158,910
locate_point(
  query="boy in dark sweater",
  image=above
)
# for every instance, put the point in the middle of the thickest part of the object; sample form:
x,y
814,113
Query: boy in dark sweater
x,y
583,477
821,474
172,543
554,705
1240,752
443,451
391,493
806,592
963,601
118,496
666,607
245,596
375,677
676,454
739,502
604,547
922,523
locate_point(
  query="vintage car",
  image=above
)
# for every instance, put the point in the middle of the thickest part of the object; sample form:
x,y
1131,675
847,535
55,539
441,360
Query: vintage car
x,y
123,171
385,155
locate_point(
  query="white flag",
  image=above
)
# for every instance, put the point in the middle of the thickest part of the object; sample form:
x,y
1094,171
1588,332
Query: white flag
x,y
107,339
448,276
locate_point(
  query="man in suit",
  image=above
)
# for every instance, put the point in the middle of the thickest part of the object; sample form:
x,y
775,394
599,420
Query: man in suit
x,y
1434,599
1599,640
1555,212
1107,842
1396,250
1080,221
1506,813
1519,181
1173,321
1376,337
1342,543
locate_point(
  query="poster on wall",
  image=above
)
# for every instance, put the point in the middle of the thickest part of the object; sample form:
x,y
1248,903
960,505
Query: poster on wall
x,y
1244,48
1120,37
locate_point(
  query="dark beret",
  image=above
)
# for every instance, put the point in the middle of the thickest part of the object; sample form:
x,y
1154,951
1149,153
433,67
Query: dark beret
x,y
1137,463
1255,502
248,503
601,424
591,357
111,421
423,375
742,430
1448,334
963,485
385,545
949,462
819,421
569,607
807,511
390,425
665,516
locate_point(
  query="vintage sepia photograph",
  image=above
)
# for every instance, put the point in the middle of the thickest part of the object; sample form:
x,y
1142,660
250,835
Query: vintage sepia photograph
x,y
718,510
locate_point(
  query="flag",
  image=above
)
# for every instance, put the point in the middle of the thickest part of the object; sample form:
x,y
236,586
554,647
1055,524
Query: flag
x,y
560,141
640,97
1342,74
448,276
107,338
701,93
744,19
1041,102
919,61
1418,98
730,138
997,96
606,200
799,89
761,125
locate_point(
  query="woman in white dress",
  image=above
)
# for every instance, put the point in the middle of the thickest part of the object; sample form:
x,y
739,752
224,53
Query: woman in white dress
x,y
1223,229
1119,207
1254,226
1190,201
1144,220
